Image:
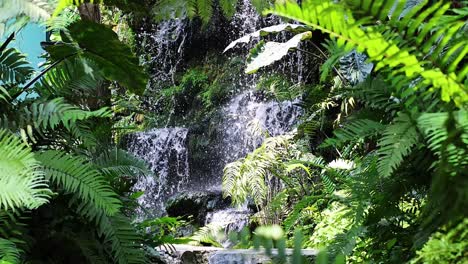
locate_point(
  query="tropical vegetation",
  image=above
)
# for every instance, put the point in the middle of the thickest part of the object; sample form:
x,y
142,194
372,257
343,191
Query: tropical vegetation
x,y
374,172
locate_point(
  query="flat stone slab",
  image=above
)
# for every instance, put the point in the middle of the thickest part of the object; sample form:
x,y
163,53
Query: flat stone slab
x,y
213,255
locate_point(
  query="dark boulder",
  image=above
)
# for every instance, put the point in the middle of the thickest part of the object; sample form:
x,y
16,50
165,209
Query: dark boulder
x,y
196,205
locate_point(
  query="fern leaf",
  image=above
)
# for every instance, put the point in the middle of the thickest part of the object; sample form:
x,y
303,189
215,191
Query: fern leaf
x,y
22,183
47,116
9,253
117,162
396,142
228,7
292,219
434,127
358,129
335,52
121,238
76,175
205,10
211,234
337,20
13,67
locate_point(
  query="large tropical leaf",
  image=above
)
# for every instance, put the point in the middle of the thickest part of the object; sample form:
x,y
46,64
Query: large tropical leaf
x,y
22,183
101,45
267,53
266,31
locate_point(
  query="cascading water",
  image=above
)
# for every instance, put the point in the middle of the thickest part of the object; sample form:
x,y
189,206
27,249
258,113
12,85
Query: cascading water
x,y
164,42
165,152
230,219
244,121
247,119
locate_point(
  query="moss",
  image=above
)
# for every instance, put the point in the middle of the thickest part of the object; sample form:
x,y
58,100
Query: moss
x,y
198,92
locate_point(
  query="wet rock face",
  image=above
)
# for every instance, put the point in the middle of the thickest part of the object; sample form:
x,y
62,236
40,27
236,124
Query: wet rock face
x,y
195,204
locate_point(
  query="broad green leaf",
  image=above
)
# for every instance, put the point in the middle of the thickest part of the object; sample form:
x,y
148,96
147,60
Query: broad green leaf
x,y
274,51
102,45
266,31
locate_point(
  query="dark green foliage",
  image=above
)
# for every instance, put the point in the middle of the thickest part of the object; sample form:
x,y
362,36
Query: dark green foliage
x,y
395,136
75,175
13,67
57,158
101,45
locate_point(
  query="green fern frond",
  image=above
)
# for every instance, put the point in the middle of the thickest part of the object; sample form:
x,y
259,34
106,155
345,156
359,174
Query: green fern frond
x,y
76,175
247,177
335,52
434,127
14,68
375,93
329,185
211,234
337,20
122,240
205,10
80,130
47,116
445,246
116,163
355,130
22,183
228,7
397,141
73,77
297,212
9,253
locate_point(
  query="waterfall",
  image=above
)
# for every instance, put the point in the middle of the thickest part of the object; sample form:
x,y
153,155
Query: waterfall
x,y
248,119
231,220
164,41
165,152
243,123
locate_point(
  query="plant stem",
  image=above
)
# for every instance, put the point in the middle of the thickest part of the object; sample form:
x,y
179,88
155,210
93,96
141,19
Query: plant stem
x,y
5,44
40,75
